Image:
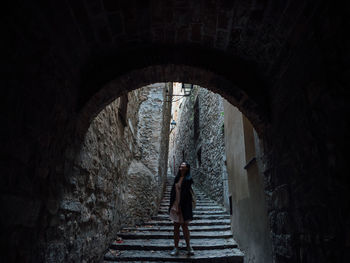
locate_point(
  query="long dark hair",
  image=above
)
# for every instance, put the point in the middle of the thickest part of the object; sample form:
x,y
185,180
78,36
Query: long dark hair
x,y
188,173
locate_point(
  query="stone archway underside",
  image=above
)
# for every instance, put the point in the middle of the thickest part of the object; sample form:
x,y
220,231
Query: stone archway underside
x,y
223,84
232,78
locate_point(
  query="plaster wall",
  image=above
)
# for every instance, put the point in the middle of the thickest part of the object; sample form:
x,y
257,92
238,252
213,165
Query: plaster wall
x,y
249,217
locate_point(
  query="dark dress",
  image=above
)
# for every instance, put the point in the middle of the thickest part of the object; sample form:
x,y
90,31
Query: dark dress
x,y
185,203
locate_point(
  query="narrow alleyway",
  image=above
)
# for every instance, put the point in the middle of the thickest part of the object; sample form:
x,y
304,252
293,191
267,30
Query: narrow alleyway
x,y
211,236
85,149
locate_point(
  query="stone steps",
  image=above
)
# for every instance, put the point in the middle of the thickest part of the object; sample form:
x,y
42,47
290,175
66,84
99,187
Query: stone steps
x,y
201,198
201,203
170,234
168,244
170,228
198,200
193,223
195,217
198,212
210,231
233,255
198,208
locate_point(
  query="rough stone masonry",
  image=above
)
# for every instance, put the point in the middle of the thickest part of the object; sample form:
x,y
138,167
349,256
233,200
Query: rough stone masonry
x,y
116,179
199,139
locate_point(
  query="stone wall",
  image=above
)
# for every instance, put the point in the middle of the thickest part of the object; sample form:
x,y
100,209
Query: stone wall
x,y
200,134
285,64
117,177
306,179
218,142
153,131
181,146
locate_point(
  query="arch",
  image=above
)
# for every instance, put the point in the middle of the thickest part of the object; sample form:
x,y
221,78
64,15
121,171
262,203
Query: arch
x,y
110,76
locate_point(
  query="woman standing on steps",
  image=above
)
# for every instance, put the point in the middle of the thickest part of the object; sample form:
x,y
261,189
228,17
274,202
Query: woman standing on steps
x,y
180,207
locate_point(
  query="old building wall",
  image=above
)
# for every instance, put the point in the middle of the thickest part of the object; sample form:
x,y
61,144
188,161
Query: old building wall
x,y
181,147
164,136
209,145
153,129
211,132
246,187
200,137
116,178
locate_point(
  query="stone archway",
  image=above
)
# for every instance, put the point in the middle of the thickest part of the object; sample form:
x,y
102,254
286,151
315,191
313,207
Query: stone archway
x,y
301,54
235,79
180,73
227,87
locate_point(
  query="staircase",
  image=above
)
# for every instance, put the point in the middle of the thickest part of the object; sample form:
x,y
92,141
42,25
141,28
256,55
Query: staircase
x,y
211,236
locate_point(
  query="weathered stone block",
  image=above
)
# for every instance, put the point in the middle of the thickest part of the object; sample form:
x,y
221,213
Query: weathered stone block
x,y
72,206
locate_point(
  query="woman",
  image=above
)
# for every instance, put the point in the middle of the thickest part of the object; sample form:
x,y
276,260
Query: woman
x,y
180,208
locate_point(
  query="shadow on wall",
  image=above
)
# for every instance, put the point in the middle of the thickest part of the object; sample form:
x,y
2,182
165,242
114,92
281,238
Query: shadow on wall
x,y
249,219
115,178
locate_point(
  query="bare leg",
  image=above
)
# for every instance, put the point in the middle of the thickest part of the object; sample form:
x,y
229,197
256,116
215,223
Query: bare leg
x,y
176,234
186,233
